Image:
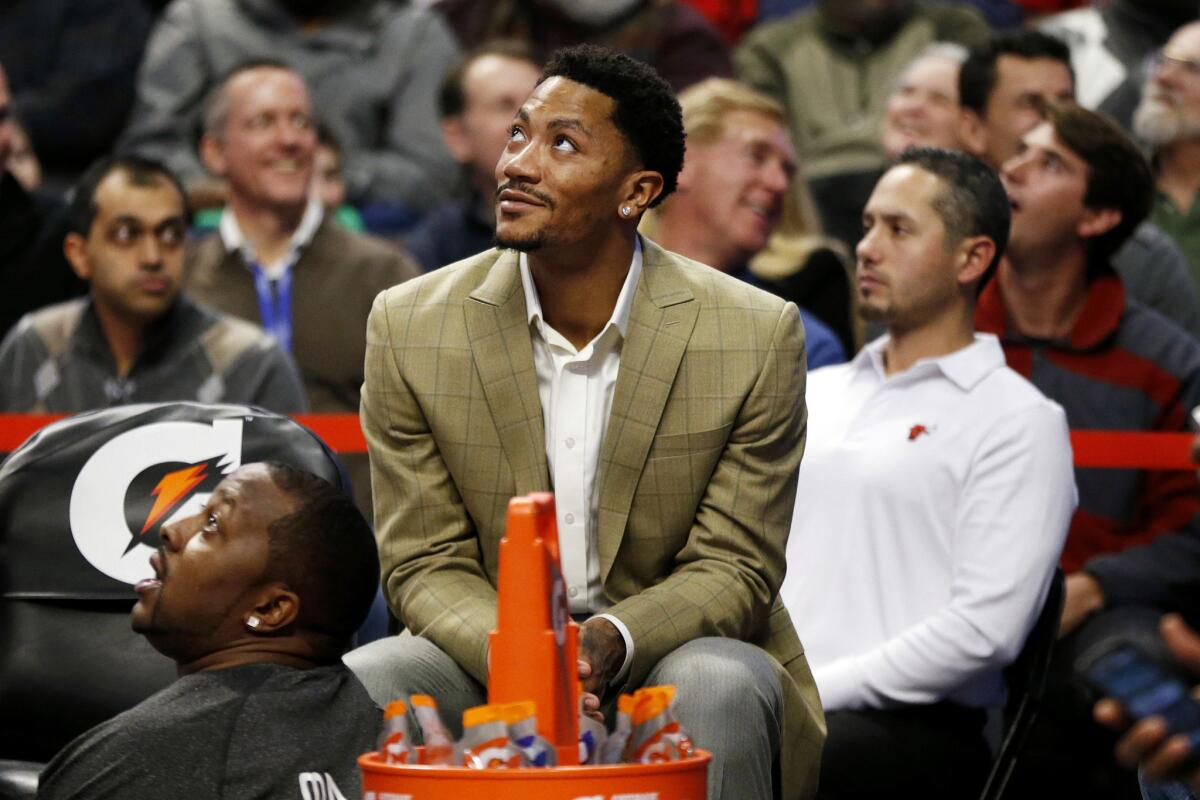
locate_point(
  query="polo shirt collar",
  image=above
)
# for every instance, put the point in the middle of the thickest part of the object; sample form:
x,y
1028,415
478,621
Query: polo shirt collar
x,y
965,367
621,311
1102,311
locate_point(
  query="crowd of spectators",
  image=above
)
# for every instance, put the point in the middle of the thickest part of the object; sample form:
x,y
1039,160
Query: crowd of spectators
x,y
201,199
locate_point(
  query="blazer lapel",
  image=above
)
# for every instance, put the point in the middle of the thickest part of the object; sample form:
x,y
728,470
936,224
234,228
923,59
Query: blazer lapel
x,y
498,329
660,325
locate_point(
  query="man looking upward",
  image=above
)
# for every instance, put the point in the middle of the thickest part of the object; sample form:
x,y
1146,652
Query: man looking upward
x,y
662,401
255,598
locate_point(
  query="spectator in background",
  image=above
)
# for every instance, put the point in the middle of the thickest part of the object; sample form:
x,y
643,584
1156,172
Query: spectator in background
x,y
1001,88
737,172
279,260
947,479
33,269
1168,120
373,65
923,109
479,98
1109,44
669,35
136,338
1079,187
71,66
832,68
329,181
255,598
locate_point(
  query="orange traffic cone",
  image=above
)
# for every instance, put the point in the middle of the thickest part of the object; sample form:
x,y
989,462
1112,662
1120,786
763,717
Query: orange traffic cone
x,y
533,649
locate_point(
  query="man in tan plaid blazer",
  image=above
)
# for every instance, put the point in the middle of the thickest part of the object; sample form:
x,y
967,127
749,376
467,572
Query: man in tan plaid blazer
x,y
696,469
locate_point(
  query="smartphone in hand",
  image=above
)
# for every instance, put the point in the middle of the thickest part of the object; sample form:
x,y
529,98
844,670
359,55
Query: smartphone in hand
x,y
1146,689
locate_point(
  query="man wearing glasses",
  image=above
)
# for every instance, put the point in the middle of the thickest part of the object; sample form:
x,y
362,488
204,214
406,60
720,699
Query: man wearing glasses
x,y
1168,120
135,337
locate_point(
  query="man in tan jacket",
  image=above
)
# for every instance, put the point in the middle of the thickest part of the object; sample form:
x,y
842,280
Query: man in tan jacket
x,y
662,401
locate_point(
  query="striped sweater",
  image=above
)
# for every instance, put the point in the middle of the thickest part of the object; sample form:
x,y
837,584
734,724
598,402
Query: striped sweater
x,y
1124,367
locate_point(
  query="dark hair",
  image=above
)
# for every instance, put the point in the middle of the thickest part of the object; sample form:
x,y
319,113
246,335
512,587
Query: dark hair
x,y
215,109
972,201
1119,177
452,99
140,171
645,110
324,551
977,77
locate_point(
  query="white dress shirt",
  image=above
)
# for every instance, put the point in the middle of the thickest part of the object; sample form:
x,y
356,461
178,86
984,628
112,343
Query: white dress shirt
x,y
575,388
931,509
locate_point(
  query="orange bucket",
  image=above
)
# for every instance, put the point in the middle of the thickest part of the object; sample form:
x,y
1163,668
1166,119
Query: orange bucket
x,y
668,780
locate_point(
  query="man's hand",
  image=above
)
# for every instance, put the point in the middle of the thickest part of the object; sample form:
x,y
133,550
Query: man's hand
x,y
601,654
1148,744
1084,597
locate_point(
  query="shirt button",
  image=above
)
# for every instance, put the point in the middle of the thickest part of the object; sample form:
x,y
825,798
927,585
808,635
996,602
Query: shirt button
x,y
569,519
573,591
570,442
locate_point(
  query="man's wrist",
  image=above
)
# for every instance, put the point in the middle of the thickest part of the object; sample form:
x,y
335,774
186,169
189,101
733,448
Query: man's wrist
x,y
627,637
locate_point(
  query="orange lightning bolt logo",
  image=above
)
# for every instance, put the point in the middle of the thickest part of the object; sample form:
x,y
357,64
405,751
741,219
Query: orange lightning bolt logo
x,y
173,487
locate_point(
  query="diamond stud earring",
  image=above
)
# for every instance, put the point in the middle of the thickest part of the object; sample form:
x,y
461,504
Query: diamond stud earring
x,y
253,622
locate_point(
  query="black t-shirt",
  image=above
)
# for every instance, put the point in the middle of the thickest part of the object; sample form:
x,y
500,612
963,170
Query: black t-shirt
x,y
261,731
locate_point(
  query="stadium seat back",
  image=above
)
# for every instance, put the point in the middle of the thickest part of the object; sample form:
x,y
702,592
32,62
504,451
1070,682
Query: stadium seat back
x,y
81,504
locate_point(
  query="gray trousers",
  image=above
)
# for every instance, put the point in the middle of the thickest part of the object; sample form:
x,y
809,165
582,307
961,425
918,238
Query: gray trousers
x,y
728,698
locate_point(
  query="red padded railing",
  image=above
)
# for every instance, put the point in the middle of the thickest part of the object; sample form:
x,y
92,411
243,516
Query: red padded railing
x,y
1131,449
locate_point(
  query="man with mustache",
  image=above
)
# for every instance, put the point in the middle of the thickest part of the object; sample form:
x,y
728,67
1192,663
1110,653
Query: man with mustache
x,y
255,598
1168,119
661,400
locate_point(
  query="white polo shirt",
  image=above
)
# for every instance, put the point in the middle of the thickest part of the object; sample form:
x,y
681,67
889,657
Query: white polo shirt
x,y
931,509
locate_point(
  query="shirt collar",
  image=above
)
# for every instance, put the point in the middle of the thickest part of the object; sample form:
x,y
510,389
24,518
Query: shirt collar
x,y
965,367
621,311
1101,316
235,241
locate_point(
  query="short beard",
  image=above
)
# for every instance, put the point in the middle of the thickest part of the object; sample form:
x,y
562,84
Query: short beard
x,y
526,244
1158,123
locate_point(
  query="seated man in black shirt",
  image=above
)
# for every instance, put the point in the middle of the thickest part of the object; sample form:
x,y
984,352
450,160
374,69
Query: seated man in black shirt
x,y
255,598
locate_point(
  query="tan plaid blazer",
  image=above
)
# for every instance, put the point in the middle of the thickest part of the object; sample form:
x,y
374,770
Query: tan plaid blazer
x,y
697,469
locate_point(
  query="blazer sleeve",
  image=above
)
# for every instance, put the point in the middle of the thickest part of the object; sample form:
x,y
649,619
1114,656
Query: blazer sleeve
x,y
433,574
728,574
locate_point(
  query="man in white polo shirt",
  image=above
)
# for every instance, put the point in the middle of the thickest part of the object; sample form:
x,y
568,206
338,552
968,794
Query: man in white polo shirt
x,y
933,501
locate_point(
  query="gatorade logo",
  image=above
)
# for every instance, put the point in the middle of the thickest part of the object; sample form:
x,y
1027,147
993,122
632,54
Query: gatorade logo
x,y
319,786
142,479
